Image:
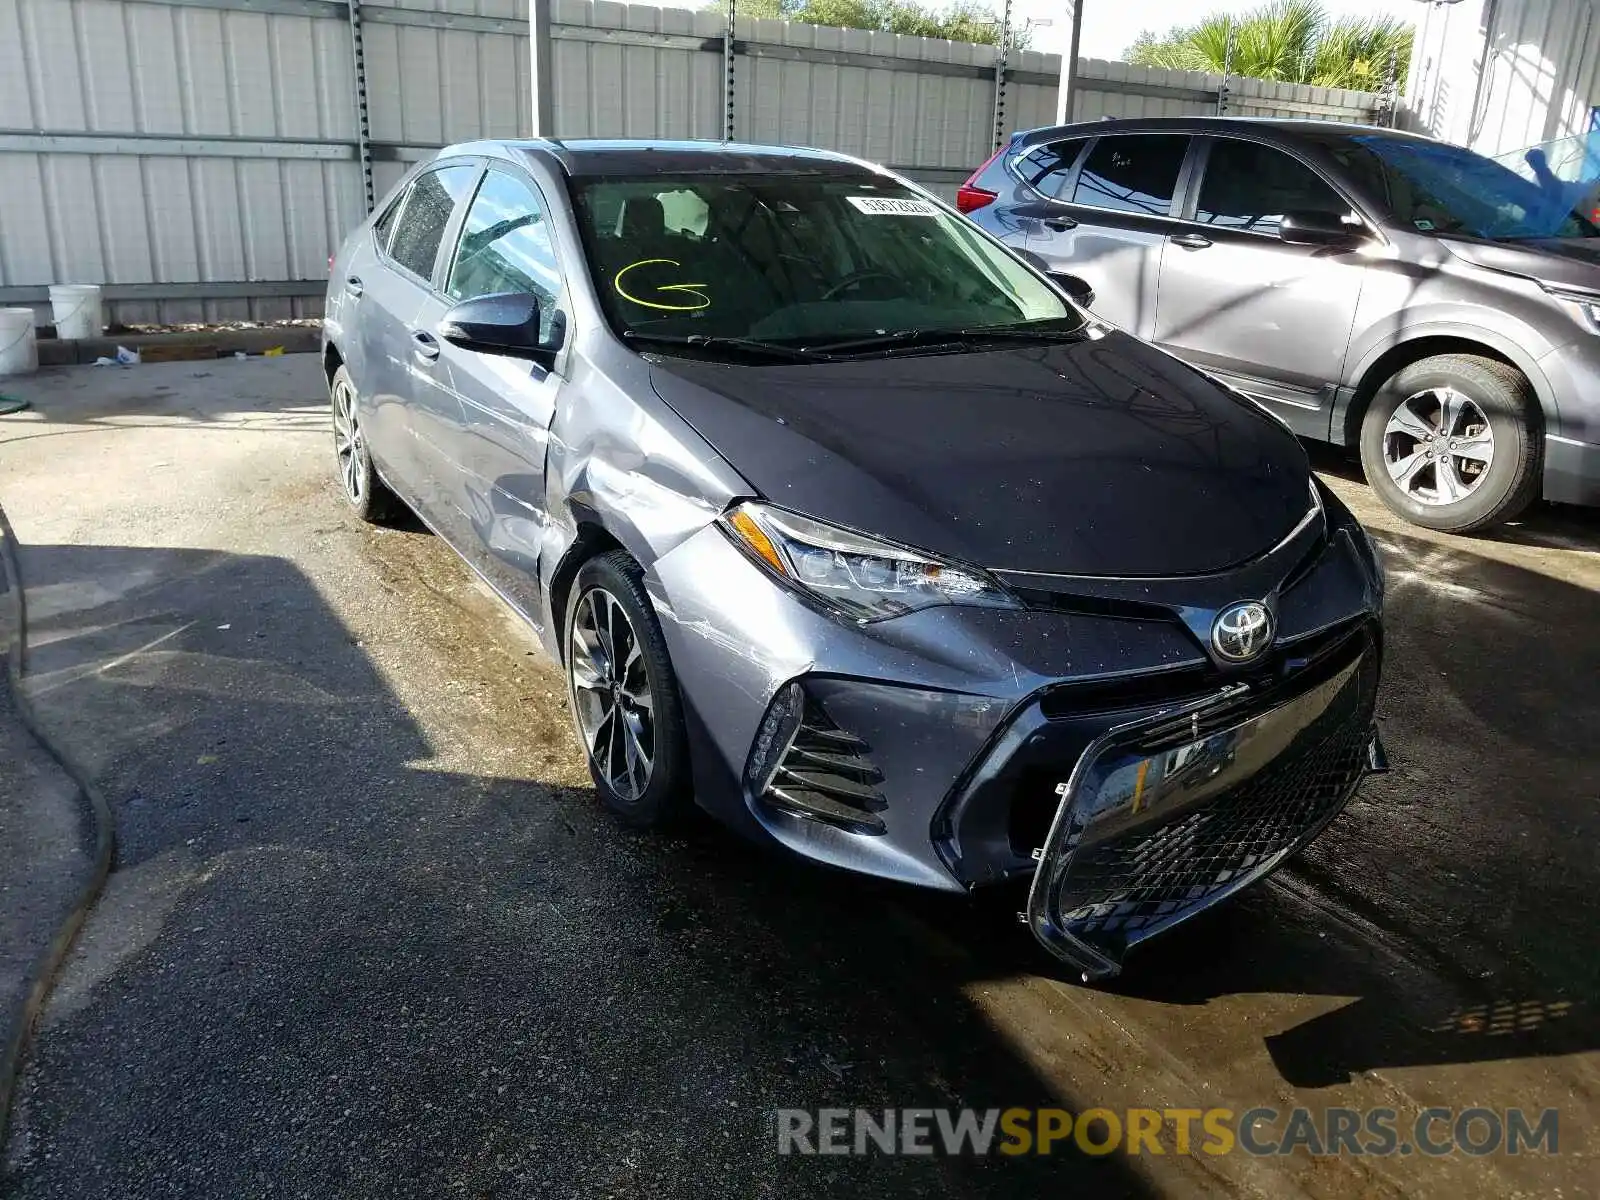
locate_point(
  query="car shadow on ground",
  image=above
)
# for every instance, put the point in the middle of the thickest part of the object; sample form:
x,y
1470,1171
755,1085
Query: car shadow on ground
x,y
325,962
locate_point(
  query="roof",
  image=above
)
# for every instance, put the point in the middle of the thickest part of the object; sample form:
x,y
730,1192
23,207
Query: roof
x,y
587,157
1287,127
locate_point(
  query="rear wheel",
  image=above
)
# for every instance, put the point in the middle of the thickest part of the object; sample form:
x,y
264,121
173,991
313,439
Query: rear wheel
x,y
1452,443
366,493
624,695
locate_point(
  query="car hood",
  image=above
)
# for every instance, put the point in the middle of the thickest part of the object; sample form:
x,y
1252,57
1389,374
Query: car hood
x,y
1099,457
1562,262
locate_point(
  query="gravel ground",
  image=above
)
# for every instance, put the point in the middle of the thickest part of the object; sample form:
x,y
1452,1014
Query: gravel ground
x,y
369,933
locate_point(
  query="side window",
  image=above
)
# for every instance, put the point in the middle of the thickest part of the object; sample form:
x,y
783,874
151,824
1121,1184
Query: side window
x,y
429,203
505,247
1250,186
1047,168
384,224
1133,173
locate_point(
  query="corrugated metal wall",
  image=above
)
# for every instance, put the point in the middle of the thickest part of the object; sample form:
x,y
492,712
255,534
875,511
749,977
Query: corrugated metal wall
x,y
1500,75
201,157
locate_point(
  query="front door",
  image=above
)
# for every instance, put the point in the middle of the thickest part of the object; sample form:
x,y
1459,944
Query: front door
x,y
505,245
1273,318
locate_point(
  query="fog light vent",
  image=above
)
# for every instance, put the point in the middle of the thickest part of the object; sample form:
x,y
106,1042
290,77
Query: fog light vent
x,y
823,772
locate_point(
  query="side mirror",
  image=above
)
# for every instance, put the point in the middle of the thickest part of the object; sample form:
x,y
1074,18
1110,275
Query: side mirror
x,y
505,324
1081,293
1311,228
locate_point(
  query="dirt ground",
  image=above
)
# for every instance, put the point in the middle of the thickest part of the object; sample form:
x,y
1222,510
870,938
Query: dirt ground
x,y
370,934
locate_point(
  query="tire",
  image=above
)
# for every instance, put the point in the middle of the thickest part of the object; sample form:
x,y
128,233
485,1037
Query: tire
x,y
368,496
1492,410
608,587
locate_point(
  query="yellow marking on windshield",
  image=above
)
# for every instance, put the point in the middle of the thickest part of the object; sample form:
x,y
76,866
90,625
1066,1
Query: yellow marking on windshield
x,y
691,289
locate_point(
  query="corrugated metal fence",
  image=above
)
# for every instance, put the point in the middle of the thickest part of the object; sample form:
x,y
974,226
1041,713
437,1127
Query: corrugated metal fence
x,y
1501,75
202,158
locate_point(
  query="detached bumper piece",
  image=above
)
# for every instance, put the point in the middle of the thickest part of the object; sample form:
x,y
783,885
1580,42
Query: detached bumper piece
x,y
1168,816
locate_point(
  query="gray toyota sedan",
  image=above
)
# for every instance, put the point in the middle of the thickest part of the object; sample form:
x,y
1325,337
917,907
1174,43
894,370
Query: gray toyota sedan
x,y
847,525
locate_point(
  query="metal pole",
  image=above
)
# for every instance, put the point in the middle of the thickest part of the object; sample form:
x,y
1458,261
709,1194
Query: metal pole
x,y
727,71
1066,91
1227,71
539,64
363,121
1000,77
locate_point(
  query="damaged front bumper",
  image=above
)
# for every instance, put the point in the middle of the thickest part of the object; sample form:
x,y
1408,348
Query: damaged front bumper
x,y
1166,816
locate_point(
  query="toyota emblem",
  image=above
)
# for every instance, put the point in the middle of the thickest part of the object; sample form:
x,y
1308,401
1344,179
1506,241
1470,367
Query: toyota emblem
x,y
1242,631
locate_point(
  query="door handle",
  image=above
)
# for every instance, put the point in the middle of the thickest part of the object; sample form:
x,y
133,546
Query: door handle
x,y
1060,224
352,284
424,345
1191,241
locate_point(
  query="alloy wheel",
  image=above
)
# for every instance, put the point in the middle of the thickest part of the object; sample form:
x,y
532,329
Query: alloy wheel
x,y
1438,446
349,444
611,694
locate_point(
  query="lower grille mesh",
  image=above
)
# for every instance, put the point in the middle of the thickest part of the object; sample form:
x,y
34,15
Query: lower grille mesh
x,y
1121,890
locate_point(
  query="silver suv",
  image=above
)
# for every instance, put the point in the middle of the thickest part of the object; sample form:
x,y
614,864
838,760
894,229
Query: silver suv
x,y
1375,289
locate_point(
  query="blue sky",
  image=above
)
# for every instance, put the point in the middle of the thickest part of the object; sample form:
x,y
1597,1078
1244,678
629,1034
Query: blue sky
x,y
1109,26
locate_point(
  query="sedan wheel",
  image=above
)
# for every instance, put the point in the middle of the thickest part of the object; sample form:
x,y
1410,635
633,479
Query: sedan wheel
x,y
358,479
615,710
624,695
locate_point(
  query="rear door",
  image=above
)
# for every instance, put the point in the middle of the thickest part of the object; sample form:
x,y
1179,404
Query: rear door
x,y
1273,318
419,422
1110,227
505,244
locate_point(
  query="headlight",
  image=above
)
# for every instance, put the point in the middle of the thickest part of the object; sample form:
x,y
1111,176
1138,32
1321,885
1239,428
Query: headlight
x,y
854,576
1586,303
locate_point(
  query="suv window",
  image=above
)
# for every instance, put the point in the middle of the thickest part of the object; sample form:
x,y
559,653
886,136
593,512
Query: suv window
x,y
1133,173
1047,168
1250,186
505,246
429,202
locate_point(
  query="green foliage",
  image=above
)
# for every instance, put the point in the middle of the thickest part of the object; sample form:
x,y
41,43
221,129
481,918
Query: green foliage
x,y
962,21
1287,41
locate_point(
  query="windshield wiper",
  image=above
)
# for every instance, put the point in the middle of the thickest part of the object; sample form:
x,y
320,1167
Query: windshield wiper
x,y
706,341
895,338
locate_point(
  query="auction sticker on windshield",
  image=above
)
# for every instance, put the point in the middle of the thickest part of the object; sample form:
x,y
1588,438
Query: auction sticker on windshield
x,y
893,206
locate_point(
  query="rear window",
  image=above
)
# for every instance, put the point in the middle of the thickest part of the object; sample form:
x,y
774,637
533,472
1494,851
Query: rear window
x,y
1047,168
1133,173
425,215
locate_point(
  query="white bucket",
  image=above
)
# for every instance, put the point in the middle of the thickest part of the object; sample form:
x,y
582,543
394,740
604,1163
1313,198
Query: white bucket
x,y
19,349
76,310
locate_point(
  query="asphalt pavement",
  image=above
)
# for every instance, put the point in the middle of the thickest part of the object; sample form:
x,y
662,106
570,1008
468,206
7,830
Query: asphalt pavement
x,y
369,933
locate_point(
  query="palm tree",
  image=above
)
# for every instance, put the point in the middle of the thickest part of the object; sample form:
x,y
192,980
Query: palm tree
x,y
1288,41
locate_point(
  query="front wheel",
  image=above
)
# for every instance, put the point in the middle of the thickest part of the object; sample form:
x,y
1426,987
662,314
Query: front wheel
x,y
1453,443
624,695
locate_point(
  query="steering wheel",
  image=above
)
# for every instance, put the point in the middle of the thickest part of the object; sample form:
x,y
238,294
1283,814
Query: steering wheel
x,y
856,278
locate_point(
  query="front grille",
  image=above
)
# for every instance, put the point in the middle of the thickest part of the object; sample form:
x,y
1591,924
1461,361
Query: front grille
x,y
1122,890
825,774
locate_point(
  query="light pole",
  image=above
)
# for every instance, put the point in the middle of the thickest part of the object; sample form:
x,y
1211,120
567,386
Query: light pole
x,y
1069,63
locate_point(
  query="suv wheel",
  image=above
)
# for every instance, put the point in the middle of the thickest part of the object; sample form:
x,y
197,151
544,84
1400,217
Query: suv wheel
x,y
1452,443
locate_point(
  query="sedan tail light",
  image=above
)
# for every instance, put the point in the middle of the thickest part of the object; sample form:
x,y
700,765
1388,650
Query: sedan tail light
x,y
969,196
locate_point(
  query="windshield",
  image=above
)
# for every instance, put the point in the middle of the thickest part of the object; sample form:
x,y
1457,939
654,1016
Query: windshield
x,y
798,260
1438,188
